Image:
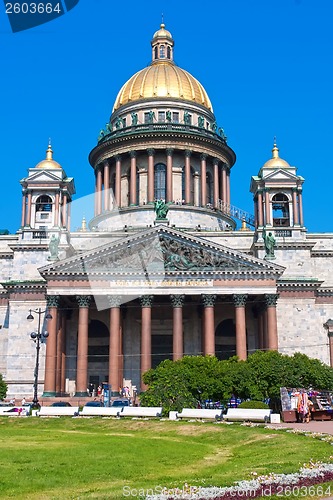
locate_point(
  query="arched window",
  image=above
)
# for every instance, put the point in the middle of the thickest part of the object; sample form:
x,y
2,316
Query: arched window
x,y
160,181
162,52
43,204
209,188
168,52
280,208
155,52
225,339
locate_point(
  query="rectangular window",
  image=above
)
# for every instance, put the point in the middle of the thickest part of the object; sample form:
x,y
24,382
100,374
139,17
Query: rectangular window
x,y
175,117
161,116
146,118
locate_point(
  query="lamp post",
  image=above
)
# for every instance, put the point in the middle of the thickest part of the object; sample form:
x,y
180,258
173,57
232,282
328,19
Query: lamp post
x,y
36,337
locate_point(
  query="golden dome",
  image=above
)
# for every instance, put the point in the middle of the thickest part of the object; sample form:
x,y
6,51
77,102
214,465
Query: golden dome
x,y
49,162
276,161
162,32
162,79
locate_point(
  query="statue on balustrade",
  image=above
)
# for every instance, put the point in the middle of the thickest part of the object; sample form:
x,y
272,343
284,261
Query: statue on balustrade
x,y
161,209
270,244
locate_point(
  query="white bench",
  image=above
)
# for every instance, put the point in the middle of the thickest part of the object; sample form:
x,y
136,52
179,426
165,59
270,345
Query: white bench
x,y
95,411
14,411
201,413
247,415
58,411
141,411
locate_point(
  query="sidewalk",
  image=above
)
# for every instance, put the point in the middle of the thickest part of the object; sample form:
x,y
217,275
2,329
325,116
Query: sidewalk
x,y
313,426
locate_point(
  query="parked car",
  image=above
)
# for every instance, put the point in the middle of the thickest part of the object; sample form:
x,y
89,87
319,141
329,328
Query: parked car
x,y
97,404
120,403
61,403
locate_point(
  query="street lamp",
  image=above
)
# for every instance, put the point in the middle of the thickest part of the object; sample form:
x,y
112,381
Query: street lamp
x,y
36,337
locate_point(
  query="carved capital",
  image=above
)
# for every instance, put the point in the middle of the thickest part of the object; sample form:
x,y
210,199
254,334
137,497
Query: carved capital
x,y
169,151
294,190
83,300
203,157
146,300
188,153
266,190
114,300
150,151
216,161
223,166
239,300
117,157
208,300
52,300
271,299
177,300
133,154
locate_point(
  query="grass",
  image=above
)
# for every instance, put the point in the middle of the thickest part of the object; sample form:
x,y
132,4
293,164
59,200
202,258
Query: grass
x,y
65,458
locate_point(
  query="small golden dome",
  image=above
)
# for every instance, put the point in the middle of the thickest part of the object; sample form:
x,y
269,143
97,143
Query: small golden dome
x,y
49,162
162,79
162,32
276,161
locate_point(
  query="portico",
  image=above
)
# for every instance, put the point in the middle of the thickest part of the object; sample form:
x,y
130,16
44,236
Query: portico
x,y
160,294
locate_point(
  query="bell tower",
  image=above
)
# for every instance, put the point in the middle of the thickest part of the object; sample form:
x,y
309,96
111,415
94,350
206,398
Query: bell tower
x,y
277,194
46,196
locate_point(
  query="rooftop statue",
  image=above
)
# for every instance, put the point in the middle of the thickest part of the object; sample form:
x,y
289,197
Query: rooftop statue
x,y
270,244
161,209
54,248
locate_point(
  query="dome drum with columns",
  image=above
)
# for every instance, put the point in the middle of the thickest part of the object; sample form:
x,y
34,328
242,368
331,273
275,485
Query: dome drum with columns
x,y
132,286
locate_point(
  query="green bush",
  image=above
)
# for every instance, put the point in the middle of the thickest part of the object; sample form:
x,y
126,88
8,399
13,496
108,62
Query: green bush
x,y
253,404
3,388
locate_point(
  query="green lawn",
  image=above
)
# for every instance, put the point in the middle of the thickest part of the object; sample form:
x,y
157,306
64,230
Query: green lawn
x,y
66,458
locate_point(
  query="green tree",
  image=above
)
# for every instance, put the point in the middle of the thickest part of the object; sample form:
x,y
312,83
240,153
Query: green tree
x,y
183,383
3,388
167,388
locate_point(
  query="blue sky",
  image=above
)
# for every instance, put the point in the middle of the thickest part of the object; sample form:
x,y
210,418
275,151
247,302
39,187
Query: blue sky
x,y
265,64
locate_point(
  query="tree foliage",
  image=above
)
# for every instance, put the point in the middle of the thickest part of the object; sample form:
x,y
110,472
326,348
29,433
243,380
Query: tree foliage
x,y
3,388
185,382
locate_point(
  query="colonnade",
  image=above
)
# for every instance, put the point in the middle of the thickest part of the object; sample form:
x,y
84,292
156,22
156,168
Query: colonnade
x,y
109,174
264,207
60,208
55,362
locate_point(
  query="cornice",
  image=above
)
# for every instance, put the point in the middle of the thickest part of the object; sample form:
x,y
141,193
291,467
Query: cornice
x,y
21,285
322,253
27,246
153,139
298,283
325,292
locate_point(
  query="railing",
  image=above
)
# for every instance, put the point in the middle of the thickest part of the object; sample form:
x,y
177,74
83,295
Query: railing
x,y
172,127
236,212
283,233
39,235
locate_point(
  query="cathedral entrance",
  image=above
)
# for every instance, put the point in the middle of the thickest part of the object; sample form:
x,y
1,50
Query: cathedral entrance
x,y
98,353
225,339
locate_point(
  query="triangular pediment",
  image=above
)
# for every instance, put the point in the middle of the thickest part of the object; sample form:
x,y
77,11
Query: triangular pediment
x,y
43,176
281,174
161,251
